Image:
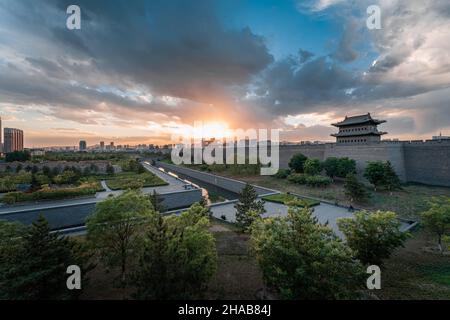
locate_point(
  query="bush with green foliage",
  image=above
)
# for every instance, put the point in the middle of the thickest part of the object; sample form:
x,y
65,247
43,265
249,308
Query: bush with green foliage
x,y
354,190
36,269
382,174
373,235
312,181
437,218
21,156
282,173
299,178
291,200
297,162
248,207
318,181
178,258
312,167
390,181
51,194
303,259
374,173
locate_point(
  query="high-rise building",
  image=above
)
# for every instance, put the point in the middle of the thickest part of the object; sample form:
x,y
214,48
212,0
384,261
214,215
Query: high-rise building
x,y
13,140
1,144
102,145
82,145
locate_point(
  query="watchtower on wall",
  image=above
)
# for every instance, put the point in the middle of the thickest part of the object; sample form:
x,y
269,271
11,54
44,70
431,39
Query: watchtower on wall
x,y
358,130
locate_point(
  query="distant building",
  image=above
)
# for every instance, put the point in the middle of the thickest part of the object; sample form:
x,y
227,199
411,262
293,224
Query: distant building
x,y
13,140
441,137
82,146
37,152
1,144
358,129
102,145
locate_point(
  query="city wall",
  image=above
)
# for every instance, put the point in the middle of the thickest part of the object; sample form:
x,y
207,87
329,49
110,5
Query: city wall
x,y
420,162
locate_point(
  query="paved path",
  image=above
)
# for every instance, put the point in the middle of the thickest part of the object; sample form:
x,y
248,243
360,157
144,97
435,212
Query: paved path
x,y
105,186
325,213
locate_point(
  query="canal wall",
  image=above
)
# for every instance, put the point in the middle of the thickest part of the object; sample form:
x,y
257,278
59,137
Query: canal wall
x,y
66,216
221,182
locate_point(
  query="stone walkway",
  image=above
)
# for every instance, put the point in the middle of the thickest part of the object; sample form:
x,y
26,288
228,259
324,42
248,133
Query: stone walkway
x,y
324,213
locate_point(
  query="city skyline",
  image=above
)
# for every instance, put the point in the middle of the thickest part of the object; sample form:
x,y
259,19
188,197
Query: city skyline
x,y
299,66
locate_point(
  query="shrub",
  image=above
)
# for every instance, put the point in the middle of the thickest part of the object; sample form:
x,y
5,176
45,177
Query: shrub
x,y
297,161
373,235
282,173
299,178
312,166
317,181
354,190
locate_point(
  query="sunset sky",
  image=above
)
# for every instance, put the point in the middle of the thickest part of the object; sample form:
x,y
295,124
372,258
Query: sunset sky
x,y
139,70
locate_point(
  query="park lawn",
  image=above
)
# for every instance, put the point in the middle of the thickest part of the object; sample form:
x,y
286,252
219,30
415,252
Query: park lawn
x,y
88,188
285,198
121,180
414,273
407,203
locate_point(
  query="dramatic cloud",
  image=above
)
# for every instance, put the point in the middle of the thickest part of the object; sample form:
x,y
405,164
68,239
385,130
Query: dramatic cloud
x,y
144,68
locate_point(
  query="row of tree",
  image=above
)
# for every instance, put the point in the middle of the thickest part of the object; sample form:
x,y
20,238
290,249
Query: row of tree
x,y
334,167
155,257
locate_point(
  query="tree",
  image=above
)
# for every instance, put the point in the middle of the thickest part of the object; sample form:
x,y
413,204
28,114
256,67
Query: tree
x,y
373,235
21,156
109,169
345,166
382,174
179,257
312,167
46,171
248,202
354,190
331,167
11,239
19,167
374,173
437,218
37,268
115,229
297,161
35,185
390,181
204,203
157,201
303,259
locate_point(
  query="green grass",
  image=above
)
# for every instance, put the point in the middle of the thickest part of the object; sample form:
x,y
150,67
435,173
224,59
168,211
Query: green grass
x,y
122,180
215,198
407,203
286,198
438,273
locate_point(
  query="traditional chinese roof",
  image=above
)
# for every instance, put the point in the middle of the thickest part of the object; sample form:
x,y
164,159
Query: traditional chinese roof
x,y
358,120
357,134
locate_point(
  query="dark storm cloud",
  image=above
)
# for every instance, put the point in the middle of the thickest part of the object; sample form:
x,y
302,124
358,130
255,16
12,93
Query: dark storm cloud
x,y
175,48
289,87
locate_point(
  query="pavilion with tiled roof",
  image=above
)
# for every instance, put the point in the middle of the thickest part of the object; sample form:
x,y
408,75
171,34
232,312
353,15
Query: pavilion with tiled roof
x,y
358,129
